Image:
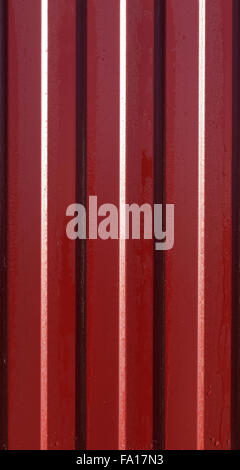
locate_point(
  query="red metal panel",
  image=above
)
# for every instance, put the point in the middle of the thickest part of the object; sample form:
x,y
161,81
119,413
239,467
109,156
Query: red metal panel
x,y
24,177
61,250
56,379
218,154
102,255
139,253
200,418
182,190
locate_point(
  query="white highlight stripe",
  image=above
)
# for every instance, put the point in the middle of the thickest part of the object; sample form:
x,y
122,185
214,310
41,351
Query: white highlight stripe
x,y
44,210
201,222
122,248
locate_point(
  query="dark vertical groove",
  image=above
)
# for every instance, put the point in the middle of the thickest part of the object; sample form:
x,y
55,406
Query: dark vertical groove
x,y
159,198
81,47
235,418
3,227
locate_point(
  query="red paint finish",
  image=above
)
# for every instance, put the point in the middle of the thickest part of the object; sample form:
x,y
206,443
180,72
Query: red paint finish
x,y
139,253
181,190
102,255
61,250
218,254
24,170
181,347
3,230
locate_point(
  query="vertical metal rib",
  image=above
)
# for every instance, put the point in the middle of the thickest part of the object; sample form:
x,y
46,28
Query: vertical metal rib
x,y
201,223
122,247
44,221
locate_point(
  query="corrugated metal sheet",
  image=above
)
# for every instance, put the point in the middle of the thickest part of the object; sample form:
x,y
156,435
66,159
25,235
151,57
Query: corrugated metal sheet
x,y
110,344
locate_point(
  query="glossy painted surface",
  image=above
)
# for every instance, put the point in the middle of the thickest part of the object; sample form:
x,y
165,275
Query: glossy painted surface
x,y
92,402
181,189
199,420
24,177
139,253
102,255
61,250
218,220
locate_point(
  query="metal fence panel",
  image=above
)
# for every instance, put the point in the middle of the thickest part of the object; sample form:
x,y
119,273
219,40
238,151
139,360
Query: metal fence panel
x,y
110,344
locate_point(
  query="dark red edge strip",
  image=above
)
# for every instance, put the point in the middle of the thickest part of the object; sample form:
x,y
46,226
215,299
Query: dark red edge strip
x,y
81,111
3,228
159,198
235,414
